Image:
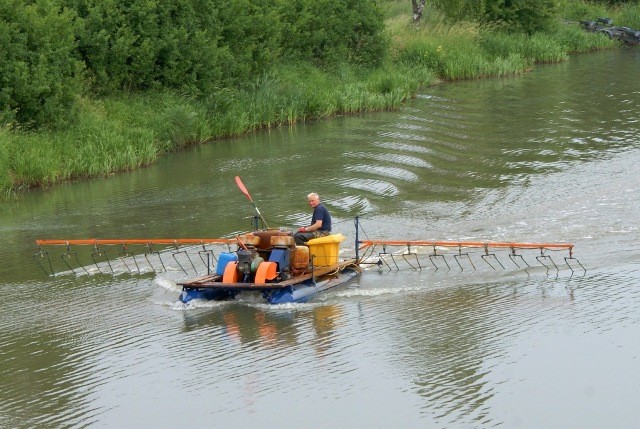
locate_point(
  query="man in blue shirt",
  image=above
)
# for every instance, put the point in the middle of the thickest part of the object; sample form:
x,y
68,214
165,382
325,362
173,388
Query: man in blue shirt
x,y
320,222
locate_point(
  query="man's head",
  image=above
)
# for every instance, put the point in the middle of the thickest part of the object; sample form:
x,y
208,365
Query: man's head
x,y
313,199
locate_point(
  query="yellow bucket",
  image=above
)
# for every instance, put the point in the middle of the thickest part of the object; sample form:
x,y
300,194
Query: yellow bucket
x,y
324,250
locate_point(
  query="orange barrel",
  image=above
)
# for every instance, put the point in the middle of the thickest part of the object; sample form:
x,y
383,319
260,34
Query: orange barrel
x,y
300,257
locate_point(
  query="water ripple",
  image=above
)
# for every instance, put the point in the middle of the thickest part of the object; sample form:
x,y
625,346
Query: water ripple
x,y
391,172
378,187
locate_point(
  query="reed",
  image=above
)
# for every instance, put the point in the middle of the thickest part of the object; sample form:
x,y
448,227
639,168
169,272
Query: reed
x,y
629,15
539,47
104,140
296,93
6,181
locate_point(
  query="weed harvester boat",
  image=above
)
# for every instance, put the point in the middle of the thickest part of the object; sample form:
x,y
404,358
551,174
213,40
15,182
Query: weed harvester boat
x,y
265,261
268,261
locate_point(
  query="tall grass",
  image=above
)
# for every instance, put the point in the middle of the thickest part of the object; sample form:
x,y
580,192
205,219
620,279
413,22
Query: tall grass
x,y
628,15
125,132
6,180
296,93
465,50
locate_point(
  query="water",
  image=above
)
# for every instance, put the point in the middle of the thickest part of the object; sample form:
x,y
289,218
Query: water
x,y
548,157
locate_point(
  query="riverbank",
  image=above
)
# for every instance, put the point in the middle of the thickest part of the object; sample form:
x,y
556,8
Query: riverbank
x,y
127,131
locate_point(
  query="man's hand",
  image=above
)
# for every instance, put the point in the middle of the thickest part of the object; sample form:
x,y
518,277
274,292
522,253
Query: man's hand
x,y
302,229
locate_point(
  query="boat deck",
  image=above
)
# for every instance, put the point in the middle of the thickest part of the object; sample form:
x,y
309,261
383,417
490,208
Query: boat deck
x,y
213,281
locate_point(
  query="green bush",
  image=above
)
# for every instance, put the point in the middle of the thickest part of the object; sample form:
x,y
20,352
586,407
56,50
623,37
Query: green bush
x,y
527,16
327,32
40,76
140,44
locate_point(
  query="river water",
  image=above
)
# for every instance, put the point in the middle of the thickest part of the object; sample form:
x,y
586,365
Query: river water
x,y
550,156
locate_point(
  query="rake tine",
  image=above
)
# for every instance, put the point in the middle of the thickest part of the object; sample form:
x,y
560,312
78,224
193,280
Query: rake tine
x,y
435,255
542,257
404,256
133,258
67,255
394,261
188,258
135,261
384,252
409,252
460,255
42,254
126,254
146,255
99,252
207,251
64,258
210,256
484,258
570,258
161,261
178,262
382,260
512,256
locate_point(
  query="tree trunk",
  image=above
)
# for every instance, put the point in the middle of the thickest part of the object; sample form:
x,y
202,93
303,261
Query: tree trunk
x,y
418,8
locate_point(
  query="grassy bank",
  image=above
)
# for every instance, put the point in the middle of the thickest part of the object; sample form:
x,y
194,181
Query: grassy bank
x,y
124,132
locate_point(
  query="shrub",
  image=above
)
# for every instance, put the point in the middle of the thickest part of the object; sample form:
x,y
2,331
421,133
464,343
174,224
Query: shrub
x,y
327,32
528,16
40,76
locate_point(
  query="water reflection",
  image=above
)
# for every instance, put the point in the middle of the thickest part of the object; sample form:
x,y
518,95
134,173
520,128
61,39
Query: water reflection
x,y
269,328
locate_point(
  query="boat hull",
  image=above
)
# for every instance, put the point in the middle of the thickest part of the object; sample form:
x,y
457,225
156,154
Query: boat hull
x,y
273,293
304,292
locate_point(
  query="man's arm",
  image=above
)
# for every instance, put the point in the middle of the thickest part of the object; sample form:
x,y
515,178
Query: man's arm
x,y
317,225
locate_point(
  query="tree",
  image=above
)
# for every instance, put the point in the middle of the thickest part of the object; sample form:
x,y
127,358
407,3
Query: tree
x,y
418,8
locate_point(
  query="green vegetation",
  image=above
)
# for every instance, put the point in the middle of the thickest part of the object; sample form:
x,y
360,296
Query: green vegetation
x,y
92,87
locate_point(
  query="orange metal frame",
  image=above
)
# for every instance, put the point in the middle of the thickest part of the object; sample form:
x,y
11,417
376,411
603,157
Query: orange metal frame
x,y
142,241
474,244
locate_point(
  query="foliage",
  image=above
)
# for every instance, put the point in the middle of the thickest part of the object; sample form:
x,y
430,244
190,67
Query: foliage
x,y
195,46
202,45
629,15
327,32
614,2
526,16
147,44
40,77
458,10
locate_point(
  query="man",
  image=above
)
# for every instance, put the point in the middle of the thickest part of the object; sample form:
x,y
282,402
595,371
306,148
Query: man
x,y
320,222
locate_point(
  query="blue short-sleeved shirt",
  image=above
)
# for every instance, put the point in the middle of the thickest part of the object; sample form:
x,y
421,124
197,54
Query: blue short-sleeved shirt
x,y
321,213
